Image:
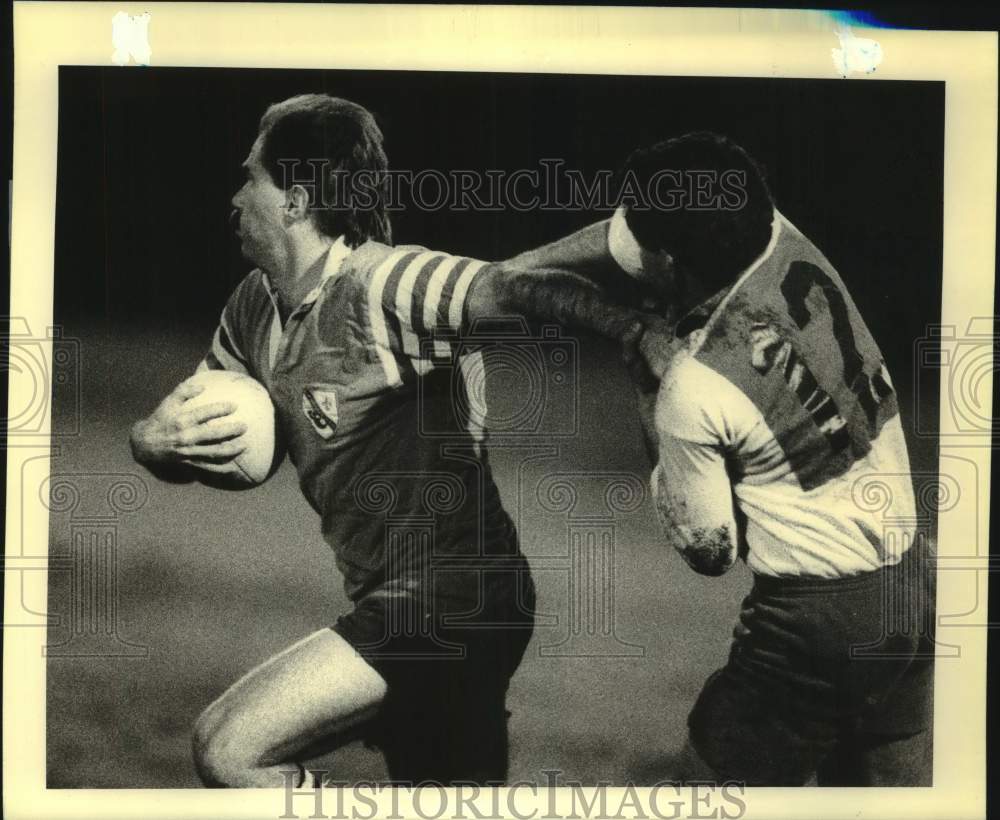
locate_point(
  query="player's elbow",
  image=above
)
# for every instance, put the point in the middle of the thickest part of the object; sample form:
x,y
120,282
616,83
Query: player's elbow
x,y
708,552
486,298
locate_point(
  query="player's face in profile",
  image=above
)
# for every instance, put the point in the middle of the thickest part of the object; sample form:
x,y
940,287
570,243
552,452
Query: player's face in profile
x,y
259,206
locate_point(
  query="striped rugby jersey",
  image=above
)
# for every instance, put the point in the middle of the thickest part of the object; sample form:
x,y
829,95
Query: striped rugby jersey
x,y
773,417
361,370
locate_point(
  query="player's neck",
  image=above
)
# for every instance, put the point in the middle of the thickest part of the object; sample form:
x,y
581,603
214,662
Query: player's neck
x,y
692,292
299,273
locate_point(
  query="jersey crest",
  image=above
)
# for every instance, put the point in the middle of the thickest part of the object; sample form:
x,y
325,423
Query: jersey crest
x,y
319,404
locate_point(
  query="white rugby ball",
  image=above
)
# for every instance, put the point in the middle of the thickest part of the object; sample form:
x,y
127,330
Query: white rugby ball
x,y
254,408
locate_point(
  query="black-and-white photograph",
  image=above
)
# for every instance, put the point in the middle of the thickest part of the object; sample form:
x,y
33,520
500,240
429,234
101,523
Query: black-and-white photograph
x,y
451,427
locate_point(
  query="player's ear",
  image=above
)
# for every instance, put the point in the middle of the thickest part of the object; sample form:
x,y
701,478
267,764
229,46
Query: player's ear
x,y
659,273
297,203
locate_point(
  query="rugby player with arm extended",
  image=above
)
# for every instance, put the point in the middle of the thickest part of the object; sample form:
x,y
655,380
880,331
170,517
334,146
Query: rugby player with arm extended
x,y
346,332
767,404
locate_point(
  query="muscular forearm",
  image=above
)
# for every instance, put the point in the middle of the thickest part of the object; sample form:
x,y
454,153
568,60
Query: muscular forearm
x,y
584,253
563,297
574,281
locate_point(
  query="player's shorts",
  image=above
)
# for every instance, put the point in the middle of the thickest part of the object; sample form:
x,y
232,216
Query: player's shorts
x,y
447,663
816,664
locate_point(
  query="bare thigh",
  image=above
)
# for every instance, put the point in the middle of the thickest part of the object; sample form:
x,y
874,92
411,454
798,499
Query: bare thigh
x,y
290,707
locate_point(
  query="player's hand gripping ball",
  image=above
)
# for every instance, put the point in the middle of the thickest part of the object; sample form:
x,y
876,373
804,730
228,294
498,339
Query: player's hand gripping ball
x,y
262,453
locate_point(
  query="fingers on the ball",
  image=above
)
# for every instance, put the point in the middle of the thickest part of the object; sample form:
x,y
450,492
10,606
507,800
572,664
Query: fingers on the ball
x,y
219,429
188,419
222,468
225,450
188,389
211,411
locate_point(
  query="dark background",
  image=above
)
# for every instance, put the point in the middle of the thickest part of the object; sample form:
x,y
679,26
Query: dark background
x,y
148,160
213,583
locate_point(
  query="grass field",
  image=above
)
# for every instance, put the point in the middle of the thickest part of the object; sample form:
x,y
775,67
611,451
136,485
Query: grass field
x,y
213,583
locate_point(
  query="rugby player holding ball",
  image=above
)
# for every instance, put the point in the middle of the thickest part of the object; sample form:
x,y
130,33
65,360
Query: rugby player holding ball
x,y
345,332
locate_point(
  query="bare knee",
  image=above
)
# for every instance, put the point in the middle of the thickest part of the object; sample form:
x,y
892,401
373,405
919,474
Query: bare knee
x,y
218,757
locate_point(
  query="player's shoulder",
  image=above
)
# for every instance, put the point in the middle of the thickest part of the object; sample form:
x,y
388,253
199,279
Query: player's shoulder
x,y
692,381
250,300
363,262
251,286
699,403
766,293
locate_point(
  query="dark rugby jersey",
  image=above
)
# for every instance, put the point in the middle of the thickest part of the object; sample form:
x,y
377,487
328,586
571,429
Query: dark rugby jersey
x,y
374,404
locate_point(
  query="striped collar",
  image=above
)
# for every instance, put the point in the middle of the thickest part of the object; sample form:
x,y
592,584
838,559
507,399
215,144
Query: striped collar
x,y
331,261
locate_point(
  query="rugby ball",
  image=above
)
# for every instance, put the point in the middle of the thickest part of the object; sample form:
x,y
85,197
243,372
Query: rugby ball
x,y
254,408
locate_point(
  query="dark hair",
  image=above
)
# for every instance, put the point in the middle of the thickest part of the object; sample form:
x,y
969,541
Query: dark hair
x,y
339,141
715,243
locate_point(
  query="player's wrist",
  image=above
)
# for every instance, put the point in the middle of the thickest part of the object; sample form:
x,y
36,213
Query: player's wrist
x,y
157,461
137,441
142,442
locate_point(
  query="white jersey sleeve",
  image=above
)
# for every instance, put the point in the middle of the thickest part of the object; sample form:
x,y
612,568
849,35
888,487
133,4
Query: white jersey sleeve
x,y
692,489
622,245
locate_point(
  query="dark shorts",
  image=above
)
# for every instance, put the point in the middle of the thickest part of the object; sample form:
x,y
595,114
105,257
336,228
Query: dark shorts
x,y
817,665
447,663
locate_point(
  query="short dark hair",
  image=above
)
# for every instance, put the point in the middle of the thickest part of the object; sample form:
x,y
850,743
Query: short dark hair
x,y
715,243
340,138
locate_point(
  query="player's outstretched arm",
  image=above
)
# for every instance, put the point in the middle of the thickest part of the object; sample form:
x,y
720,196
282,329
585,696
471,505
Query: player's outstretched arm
x,y
592,279
551,294
172,440
584,253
